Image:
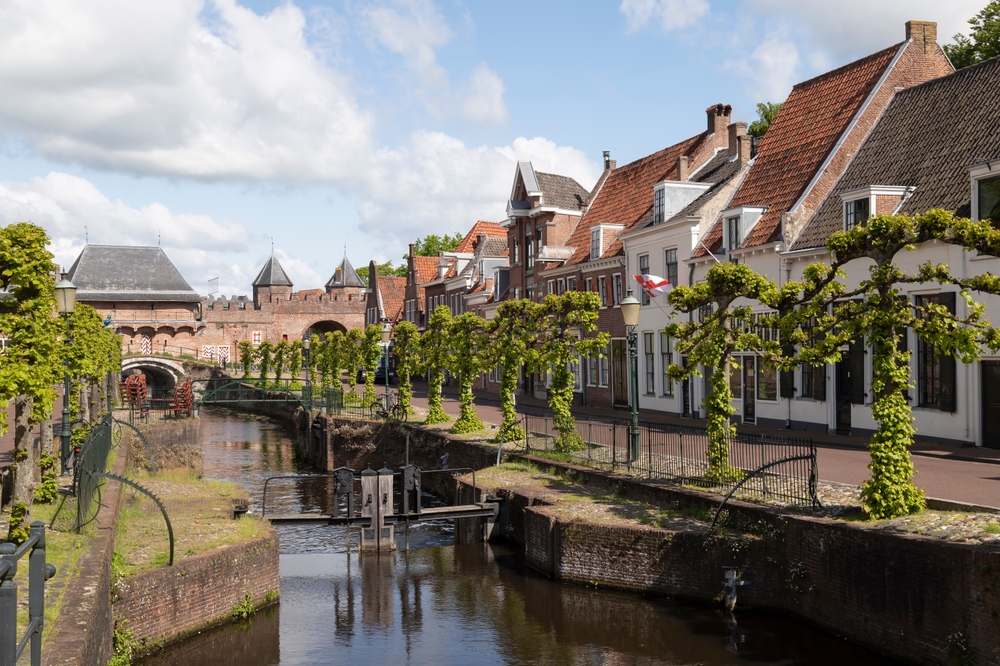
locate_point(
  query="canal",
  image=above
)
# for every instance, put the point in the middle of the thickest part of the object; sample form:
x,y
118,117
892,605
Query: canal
x,y
441,604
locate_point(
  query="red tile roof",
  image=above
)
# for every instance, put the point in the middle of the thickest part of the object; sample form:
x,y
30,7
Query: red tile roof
x,y
812,120
393,291
491,229
315,293
627,195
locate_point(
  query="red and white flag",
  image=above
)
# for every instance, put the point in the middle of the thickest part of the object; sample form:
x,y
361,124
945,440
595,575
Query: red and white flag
x,y
653,285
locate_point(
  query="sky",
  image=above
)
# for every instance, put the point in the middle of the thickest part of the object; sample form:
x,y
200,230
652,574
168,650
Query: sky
x,y
216,127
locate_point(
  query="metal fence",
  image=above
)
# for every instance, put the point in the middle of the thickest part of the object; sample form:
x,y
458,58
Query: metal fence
x,y
90,462
223,390
345,404
680,455
38,572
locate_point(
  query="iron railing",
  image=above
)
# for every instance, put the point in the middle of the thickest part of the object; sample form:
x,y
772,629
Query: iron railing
x,y
223,390
681,455
38,572
90,462
345,404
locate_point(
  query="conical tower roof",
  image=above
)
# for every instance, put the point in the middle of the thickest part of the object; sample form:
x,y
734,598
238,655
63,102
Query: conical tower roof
x,y
345,276
272,275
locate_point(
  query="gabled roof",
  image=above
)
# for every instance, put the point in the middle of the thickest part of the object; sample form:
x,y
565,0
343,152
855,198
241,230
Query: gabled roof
x,y
491,229
272,275
558,191
627,196
812,120
128,273
424,268
392,291
344,276
927,138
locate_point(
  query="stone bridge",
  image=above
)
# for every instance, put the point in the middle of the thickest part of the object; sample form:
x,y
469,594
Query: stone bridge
x,y
161,372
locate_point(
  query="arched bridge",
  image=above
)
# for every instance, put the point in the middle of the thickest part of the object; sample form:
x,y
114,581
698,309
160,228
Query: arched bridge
x,y
228,390
162,372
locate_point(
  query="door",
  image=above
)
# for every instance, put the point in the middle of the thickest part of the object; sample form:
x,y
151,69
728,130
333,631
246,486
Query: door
x,y
749,389
991,404
843,422
619,373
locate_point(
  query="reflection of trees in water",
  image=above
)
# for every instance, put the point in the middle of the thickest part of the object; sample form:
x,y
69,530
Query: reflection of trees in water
x,y
343,608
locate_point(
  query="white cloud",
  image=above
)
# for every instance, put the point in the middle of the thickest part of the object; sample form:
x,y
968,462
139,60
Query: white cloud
x,y
484,102
772,68
667,14
71,209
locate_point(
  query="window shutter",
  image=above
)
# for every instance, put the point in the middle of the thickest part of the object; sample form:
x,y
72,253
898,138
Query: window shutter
x,y
857,361
948,402
819,382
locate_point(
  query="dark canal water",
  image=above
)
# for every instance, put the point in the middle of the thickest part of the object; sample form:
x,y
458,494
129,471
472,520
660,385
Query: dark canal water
x,y
468,605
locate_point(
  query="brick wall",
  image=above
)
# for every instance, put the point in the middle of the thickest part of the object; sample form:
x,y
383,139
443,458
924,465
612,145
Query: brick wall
x,y
174,445
168,603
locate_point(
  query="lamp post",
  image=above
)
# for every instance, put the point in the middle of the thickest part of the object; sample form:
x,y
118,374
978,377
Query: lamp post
x,y
630,313
65,303
385,334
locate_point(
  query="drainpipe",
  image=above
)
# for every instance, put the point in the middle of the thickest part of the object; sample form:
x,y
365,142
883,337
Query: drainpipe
x,y
788,278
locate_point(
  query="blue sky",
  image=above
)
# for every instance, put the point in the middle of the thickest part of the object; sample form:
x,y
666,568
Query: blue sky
x,y
214,126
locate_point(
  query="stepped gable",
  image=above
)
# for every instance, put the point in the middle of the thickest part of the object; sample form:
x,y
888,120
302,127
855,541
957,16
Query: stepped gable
x,y
272,275
345,276
927,139
128,273
806,131
627,196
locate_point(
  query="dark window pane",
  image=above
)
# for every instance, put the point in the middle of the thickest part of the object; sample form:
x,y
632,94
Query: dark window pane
x,y
989,199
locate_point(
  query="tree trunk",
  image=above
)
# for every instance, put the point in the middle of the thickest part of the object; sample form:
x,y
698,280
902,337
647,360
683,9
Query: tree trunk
x,y
24,440
47,439
84,411
96,406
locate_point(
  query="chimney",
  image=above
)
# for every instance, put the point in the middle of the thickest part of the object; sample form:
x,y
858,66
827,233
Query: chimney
x,y
682,167
736,130
922,33
744,143
442,265
609,164
412,245
718,118
480,237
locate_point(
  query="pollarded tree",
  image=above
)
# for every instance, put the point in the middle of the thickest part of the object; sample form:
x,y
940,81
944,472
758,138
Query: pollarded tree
x,y
247,356
371,351
352,355
295,364
406,347
265,352
878,314
280,360
315,353
334,358
513,333
566,321
725,324
468,356
434,344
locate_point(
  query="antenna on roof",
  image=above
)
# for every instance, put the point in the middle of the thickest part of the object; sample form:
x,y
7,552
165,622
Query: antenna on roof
x,y
86,235
157,238
272,244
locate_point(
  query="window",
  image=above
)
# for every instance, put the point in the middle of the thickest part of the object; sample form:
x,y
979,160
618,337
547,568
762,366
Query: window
x,y
736,377
602,378
560,286
592,371
618,289
733,230
666,358
659,206
529,252
643,270
574,367
856,212
670,266
935,371
530,293
989,199
767,381
649,353
602,288
571,284
513,248
552,286
595,243
589,283
813,376
255,337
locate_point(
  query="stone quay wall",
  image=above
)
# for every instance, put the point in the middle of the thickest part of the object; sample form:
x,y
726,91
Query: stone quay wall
x,y
167,604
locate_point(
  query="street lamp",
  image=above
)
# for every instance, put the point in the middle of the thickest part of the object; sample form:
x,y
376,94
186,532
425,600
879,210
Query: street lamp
x,y
385,334
305,348
65,304
630,313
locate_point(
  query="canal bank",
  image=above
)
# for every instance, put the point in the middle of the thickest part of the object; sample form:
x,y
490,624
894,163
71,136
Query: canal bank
x,y
921,599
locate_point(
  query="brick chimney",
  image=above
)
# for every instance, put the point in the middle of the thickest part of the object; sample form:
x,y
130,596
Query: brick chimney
x,y
922,33
682,168
744,148
609,164
718,118
736,130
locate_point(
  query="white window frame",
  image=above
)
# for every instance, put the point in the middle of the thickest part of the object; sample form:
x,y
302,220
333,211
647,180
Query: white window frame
x,y
596,243
644,298
618,289
602,288
748,215
256,337
985,171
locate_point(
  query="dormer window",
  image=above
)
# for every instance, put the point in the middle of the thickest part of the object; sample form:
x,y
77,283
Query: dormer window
x,y
737,223
856,212
595,243
988,199
734,240
659,206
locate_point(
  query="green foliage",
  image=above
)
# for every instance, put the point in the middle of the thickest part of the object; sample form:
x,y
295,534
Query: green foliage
x,y
766,112
315,354
435,344
123,642
514,332
371,350
982,44
352,354
18,529
406,347
280,360
247,356
271,596
244,610
468,355
295,364
48,489
386,269
432,245
265,352
566,321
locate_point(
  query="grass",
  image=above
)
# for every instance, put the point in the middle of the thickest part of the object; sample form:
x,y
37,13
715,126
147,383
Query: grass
x,y
200,513
992,528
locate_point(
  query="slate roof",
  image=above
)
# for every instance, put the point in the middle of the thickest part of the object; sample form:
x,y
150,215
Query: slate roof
x,y
927,138
627,196
491,229
344,276
813,118
272,275
128,273
562,191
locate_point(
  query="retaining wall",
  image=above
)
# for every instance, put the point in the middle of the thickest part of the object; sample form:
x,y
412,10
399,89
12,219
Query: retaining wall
x,y
174,445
